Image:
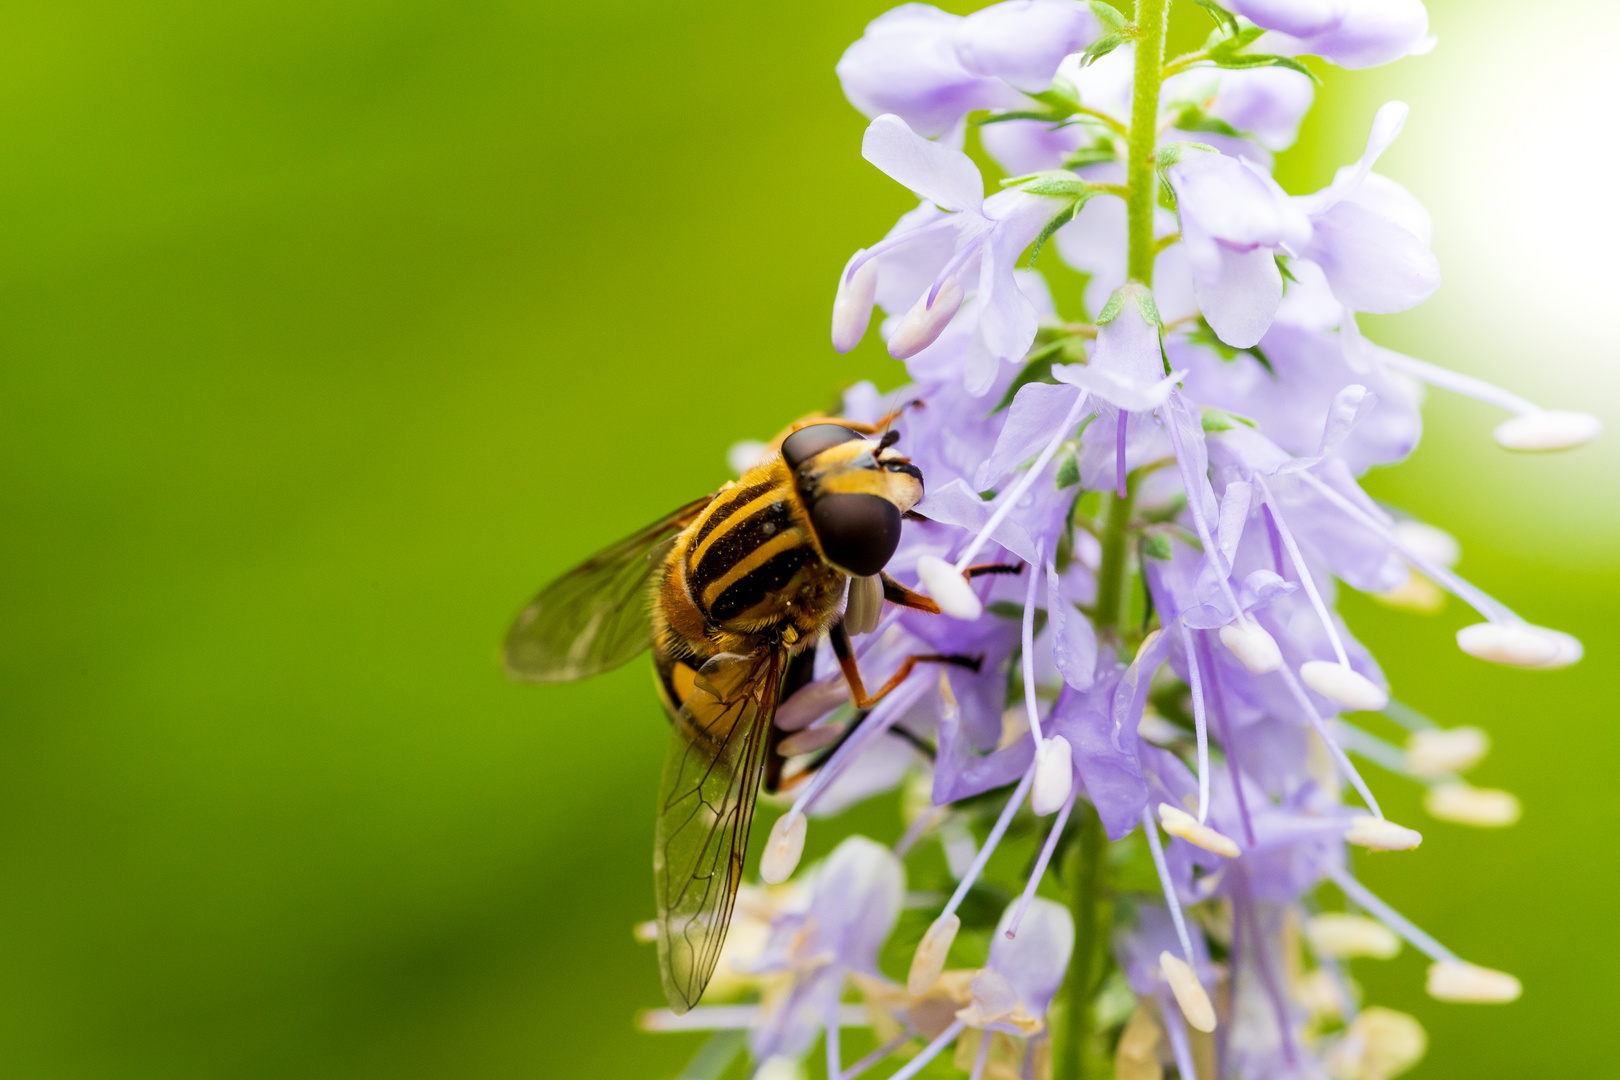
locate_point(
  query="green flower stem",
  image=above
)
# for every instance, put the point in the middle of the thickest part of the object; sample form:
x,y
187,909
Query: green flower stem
x,y
1114,571
1141,176
1085,859
1084,872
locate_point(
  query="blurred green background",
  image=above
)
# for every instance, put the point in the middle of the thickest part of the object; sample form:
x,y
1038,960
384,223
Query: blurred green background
x,y
331,330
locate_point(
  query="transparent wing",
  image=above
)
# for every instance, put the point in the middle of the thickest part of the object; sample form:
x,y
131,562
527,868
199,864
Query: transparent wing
x,y
598,615
705,805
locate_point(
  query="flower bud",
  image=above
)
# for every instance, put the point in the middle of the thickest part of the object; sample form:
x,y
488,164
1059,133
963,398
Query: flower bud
x,y
1253,647
1349,936
1437,751
1470,984
1381,834
1343,685
922,325
852,307
1054,776
949,588
1180,823
1519,645
1542,432
931,951
808,740
1464,804
744,455
783,848
1190,994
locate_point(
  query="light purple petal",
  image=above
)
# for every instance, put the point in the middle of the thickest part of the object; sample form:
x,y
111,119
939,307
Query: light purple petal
x,y
1023,41
1372,263
906,64
936,172
1036,412
1240,299
1074,641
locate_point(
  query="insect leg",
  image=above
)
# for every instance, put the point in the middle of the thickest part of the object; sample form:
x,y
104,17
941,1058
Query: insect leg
x,y
993,568
896,593
852,672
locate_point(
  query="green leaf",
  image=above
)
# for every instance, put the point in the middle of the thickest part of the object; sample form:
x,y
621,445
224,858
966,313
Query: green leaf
x,y
1063,217
1101,48
1149,309
1113,21
1059,183
1068,474
1223,18
1192,118
1221,420
1091,155
1156,546
1111,310
1244,61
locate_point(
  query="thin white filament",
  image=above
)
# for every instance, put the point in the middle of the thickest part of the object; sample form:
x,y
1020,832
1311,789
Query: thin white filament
x,y
1345,767
1488,606
835,1063
876,1056
1195,683
1178,1040
1008,501
1304,572
1196,506
1042,862
1031,705
1458,383
930,1052
997,831
1165,883
1391,918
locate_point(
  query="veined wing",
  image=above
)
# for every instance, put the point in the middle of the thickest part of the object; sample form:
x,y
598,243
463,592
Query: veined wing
x,y
598,615
705,806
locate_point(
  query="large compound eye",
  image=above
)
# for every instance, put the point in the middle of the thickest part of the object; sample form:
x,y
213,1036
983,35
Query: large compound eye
x,y
807,442
857,531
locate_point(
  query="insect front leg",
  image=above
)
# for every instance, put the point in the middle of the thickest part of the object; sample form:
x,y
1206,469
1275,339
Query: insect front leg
x,y
852,672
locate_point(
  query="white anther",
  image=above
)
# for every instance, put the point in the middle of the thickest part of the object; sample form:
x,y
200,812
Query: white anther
x,y
783,848
922,325
1470,984
1428,543
779,1067
1349,936
863,609
1190,995
1540,432
1178,822
1434,752
1519,645
1417,593
1464,804
1381,834
1253,647
1054,776
852,307
1343,685
949,588
931,951
1379,1043
744,455
810,739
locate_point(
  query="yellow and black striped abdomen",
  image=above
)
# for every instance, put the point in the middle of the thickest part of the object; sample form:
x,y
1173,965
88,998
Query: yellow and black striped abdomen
x,y
747,549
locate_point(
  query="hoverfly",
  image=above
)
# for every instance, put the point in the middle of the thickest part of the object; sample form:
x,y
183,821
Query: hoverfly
x,y
732,591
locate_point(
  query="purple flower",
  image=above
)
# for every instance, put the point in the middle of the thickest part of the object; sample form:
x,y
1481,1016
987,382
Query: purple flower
x,y
931,68
1349,33
1234,219
927,266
